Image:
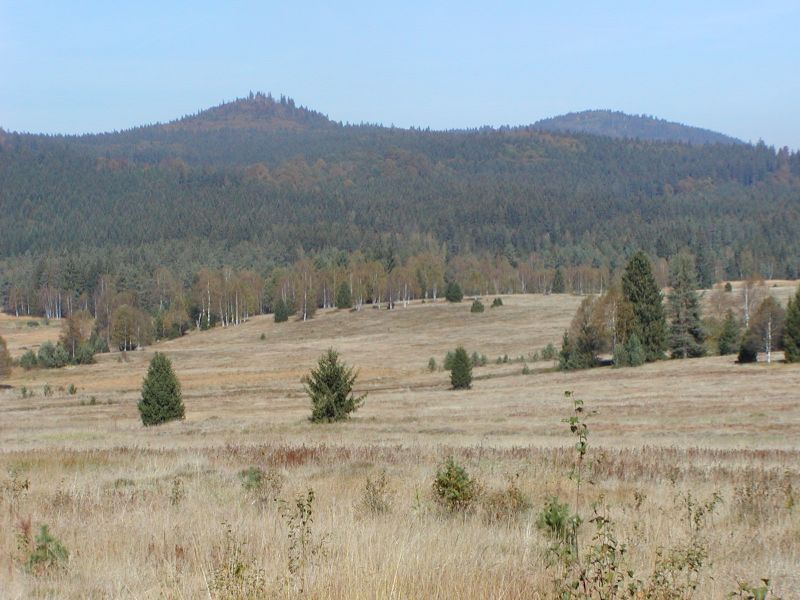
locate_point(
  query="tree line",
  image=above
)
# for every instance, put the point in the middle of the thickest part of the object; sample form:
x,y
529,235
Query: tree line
x,y
632,322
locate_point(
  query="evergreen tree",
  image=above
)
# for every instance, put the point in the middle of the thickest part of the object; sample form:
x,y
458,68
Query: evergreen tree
x,y
687,336
559,285
477,306
453,292
330,388
461,371
641,290
344,297
282,311
748,350
161,393
5,360
730,335
629,354
791,329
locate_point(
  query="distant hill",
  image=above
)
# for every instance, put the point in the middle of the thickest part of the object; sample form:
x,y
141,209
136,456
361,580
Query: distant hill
x,y
258,111
617,124
258,181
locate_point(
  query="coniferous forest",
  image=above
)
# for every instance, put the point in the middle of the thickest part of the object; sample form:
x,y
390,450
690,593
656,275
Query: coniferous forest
x,y
219,214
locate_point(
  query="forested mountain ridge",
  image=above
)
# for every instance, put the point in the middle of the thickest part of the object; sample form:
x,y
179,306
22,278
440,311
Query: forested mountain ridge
x,y
620,125
259,183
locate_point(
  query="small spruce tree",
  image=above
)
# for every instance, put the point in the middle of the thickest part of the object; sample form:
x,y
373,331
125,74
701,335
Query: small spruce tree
x,y
453,293
559,285
344,297
330,388
161,393
634,351
461,371
791,329
728,341
5,360
282,311
477,307
748,351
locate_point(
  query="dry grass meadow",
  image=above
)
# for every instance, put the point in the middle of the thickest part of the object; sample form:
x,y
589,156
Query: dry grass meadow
x,y
162,512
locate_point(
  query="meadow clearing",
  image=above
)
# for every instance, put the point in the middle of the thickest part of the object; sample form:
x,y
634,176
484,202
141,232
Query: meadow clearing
x,y
164,512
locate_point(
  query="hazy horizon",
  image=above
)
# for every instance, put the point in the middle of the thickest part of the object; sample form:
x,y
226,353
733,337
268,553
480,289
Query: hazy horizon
x,y
725,67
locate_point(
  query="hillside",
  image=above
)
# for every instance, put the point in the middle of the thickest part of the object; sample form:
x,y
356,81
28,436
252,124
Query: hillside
x,y
258,183
617,124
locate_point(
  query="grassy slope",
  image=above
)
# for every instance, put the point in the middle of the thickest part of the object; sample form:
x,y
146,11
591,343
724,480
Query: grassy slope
x,y
701,426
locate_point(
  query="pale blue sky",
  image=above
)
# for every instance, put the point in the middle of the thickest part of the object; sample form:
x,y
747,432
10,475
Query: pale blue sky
x,y
75,66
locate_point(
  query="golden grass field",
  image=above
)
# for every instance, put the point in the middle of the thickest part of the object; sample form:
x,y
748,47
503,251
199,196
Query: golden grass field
x,y
144,511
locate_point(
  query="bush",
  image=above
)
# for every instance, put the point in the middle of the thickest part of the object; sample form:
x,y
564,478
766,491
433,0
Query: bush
x,y
555,520
52,356
453,489
48,552
282,311
28,360
728,341
549,352
84,355
497,302
330,388
432,365
728,286
461,372
71,389
376,497
629,354
453,293
161,393
748,350
5,360
344,297
507,504
251,478
477,307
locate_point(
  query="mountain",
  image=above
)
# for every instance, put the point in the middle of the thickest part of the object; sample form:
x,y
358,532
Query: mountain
x,y
620,125
258,182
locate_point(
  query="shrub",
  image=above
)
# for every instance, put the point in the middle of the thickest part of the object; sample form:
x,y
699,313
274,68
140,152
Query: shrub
x,y
549,352
52,356
507,504
48,552
47,390
729,336
161,393
461,373
728,286
376,497
453,293
453,488
71,389
448,361
282,311
477,307
330,388
344,297
432,365
251,478
262,337
526,370
748,350
5,360
28,360
629,354
556,521
84,355
235,573
497,302
32,323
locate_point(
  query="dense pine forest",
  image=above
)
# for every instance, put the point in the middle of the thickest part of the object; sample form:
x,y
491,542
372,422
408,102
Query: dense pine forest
x,y
260,198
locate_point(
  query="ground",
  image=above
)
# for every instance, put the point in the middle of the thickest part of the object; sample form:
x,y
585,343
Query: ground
x,y
144,511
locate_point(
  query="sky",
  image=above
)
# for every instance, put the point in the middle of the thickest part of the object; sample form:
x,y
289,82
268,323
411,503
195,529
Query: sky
x,y
78,67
